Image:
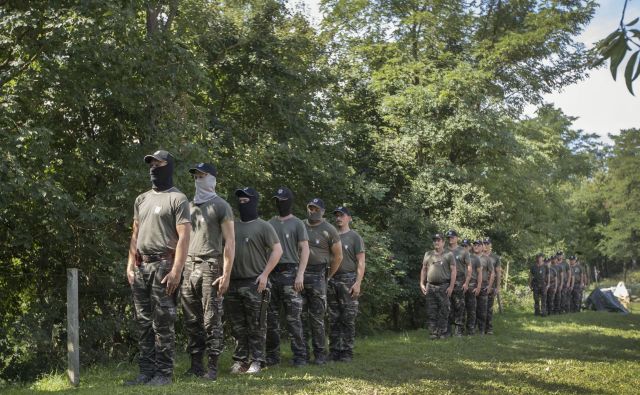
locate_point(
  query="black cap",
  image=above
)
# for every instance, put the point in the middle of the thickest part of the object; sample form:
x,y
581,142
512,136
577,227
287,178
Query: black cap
x,y
451,233
437,236
540,254
247,192
342,210
204,168
477,242
486,240
572,258
283,193
559,253
159,155
316,202
465,242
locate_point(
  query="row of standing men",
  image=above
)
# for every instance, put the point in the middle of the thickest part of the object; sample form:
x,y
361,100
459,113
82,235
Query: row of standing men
x,y
248,269
557,285
460,283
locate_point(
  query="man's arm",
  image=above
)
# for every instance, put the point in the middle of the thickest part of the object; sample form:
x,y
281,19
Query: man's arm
x,y
423,278
229,236
561,279
479,284
303,249
355,289
336,258
492,276
454,273
172,279
131,261
465,286
274,257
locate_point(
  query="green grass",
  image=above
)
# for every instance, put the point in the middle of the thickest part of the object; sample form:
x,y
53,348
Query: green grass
x,y
590,352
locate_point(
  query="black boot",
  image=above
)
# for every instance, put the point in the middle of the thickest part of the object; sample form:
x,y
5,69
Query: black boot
x,y
196,369
212,373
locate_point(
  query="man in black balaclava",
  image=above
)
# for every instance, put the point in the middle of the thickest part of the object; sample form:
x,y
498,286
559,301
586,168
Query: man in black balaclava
x,y
287,280
258,251
157,252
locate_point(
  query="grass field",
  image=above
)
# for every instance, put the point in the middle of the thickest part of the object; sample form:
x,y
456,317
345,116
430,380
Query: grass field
x,y
590,352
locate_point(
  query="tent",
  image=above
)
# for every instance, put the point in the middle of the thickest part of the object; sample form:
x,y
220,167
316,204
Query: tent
x,y
606,299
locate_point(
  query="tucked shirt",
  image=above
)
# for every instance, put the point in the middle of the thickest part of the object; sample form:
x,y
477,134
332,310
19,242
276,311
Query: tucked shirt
x,y
475,264
463,259
206,224
576,272
254,242
290,232
158,214
538,275
438,266
321,237
352,245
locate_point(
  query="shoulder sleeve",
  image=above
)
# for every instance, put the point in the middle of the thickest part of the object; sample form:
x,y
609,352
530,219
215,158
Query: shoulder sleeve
x,y
451,259
226,213
136,212
334,237
466,258
490,265
425,259
269,235
497,263
301,231
359,245
182,212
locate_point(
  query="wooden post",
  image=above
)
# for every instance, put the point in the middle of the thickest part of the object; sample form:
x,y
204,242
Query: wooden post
x,y
506,278
73,327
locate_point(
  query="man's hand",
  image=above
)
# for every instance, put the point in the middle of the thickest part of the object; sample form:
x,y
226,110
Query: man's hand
x,y
262,282
424,288
476,291
496,291
172,280
355,290
131,276
465,286
223,285
449,291
299,283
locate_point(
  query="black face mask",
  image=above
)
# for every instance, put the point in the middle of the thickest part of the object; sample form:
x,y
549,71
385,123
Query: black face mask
x,y
248,210
162,177
284,207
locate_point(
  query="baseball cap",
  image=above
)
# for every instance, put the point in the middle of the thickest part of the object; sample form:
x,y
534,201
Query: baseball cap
x,y
451,233
283,193
437,236
572,257
486,241
343,210
465,242
159,155
247,192
477,242
316,202
205,168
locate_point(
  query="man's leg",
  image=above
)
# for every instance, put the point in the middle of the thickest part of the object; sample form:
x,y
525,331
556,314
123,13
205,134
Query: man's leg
x,y
191,299
164,319
213,311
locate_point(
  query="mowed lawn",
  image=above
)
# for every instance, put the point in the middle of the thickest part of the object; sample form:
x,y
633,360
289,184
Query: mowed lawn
x,y
590,352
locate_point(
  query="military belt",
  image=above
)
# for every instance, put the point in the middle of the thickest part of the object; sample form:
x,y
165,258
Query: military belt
x,y
283,267
315,269
243,282
155,258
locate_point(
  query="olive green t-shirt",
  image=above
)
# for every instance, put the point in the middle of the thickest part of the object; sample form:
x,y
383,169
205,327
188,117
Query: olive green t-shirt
x,y
321,238
290,231
463,259
254,241
567,272
475,264
352,245
438,266
576,272
158,214
495,260
553,275
487,269
206,224
538,274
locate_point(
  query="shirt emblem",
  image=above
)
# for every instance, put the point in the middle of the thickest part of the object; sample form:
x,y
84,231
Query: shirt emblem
x,y
317,241
246,239
157,210
287,235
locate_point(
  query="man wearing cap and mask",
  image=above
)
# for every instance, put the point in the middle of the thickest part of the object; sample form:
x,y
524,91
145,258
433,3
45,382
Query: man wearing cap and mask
x,y
258,251
538,280
344,289
463,276
494,287
157,252
325,252
437,280
474,288
577,284
207,272
287,280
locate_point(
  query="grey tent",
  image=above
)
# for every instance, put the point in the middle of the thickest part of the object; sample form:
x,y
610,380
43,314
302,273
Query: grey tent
x,y
604,300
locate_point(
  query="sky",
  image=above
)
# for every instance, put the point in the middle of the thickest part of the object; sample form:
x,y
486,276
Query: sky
x,y
601,105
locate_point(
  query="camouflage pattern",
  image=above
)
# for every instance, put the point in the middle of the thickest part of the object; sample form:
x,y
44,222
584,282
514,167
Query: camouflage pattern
x,y
481,311
576,299
457,310
566,299
470,306
557,303
155,316
551,300
437,309
283,293
343,310
540,299
314,298
242,305
490,301
201,306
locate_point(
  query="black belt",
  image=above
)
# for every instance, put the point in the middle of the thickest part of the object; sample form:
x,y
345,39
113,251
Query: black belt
x,y
282,267
315,269
155,258
243,281
438,284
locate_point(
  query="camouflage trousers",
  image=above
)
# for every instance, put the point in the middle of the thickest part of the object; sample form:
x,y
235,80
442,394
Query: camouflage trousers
x,y
283,293
202,307
481,311
576,299
470,305
540,300
343,310
155,316
314,310
566,299
243,306
437,309
457,309
557,302
551,301
490,300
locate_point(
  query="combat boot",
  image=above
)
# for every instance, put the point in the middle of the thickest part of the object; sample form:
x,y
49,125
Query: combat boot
x,y
139,380
255,367
197,368
212,372
159,380
457,331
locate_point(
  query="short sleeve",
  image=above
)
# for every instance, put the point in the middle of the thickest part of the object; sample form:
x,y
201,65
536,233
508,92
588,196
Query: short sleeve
x,y
425,259
301,231
269,235
466,258
136,213
182,210
334,236
359,247
226,213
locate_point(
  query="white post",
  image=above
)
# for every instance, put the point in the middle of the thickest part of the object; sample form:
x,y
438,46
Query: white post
x,y
73,327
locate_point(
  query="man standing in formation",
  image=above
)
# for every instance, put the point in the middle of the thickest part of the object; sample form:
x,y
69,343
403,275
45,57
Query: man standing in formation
x,y
474,288
258,251
206,275
488,277
287,280
553,285
157,252
538,280
494,287
578,281
325,252
437,280
344,289
463,275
